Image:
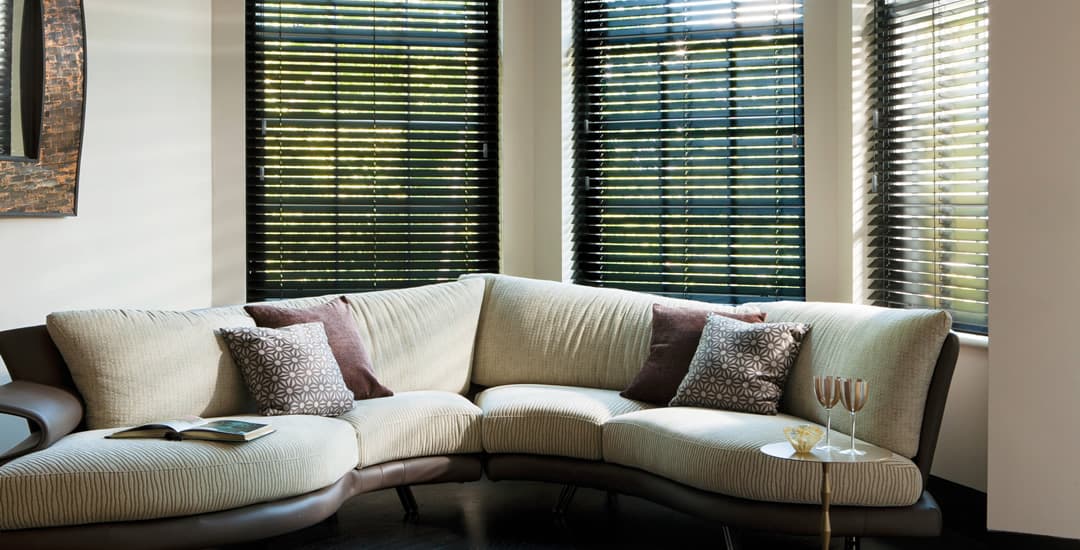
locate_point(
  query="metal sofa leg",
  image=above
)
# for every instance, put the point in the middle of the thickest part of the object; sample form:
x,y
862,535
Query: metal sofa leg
x,y
851,543
729,541
408,502
565,497
612,501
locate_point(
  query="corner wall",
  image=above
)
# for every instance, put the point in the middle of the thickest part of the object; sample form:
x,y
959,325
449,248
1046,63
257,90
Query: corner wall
x,y
1034,484
142,236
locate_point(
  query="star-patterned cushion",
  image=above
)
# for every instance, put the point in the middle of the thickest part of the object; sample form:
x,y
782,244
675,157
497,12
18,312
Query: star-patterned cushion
x,y
290,370
740,366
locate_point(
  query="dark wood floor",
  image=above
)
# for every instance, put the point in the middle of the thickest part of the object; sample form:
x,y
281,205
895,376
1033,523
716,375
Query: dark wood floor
x,y
517,515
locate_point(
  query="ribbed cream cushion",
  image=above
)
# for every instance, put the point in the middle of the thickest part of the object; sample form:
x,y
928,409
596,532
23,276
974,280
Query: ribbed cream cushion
x,y
544,332
550,420
895,350
421,338
718,451
414,424
85,478
133,367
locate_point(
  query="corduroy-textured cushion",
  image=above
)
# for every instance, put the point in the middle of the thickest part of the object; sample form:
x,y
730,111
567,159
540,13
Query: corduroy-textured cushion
x,y
341,331
421,338
543,332
675,335
719,451
85,478
414,424
894,350
134,367
550,420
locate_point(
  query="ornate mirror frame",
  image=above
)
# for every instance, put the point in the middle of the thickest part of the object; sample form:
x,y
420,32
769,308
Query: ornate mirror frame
x,y
47,185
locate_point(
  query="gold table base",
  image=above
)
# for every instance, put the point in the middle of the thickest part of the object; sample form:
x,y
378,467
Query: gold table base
x,y
783,450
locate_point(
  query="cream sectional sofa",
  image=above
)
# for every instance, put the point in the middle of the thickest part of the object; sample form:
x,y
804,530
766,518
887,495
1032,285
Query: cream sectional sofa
x,y
515,378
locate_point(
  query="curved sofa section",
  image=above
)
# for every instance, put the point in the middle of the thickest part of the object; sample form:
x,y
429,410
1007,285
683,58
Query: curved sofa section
x,y
547,361
921,519
86,478
249,522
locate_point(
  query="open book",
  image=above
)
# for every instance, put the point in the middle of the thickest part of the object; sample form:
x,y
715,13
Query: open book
x,y
193,427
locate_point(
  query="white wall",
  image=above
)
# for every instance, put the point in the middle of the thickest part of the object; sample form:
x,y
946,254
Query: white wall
x,y
228,152
1034,483
823,94
142,236
548,131
517,217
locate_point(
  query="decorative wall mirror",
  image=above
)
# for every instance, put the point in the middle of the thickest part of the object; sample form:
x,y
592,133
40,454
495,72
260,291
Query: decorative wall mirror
x,y
42,102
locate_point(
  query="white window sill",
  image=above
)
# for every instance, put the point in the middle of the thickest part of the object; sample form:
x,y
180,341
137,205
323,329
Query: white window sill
x,y
974,340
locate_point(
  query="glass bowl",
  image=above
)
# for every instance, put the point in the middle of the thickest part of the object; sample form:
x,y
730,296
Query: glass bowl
x,y
803,437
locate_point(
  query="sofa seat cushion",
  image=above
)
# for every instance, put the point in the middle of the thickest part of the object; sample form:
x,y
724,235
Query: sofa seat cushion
x,y
85,478
550,420
414,424
718,451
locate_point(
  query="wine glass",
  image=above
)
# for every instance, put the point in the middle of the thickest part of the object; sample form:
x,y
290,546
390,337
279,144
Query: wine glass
x,y
853,394
827,390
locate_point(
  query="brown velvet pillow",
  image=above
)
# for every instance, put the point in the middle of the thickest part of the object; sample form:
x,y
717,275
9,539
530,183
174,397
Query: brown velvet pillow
x,y
341,332
675,335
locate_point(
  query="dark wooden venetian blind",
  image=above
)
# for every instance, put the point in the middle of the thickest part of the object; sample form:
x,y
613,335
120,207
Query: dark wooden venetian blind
x,y
688,162
372,134
929,177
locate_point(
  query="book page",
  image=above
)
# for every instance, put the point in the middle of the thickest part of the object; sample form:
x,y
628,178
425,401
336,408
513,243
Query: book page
x,y
233,427
175,424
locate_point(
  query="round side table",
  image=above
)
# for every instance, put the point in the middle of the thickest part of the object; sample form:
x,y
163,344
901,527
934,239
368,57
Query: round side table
x,y
784,451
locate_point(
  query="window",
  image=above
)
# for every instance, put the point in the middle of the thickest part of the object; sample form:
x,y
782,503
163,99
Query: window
x,y
928,188
371,144
688,164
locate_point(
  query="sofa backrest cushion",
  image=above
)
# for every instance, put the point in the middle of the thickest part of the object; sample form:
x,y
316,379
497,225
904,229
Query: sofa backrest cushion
x,y
421,338
543,332
133,367
895,350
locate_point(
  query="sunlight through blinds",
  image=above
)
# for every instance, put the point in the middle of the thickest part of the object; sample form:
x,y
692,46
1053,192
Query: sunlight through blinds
x,y
372,144
929,178
688,158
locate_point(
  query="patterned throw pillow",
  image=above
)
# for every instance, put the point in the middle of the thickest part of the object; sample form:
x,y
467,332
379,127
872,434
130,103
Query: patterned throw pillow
x,y
741,366
290,370
676,332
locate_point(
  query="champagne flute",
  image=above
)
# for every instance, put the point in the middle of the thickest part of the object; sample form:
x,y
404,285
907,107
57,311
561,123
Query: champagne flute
x,y
827,390
853,395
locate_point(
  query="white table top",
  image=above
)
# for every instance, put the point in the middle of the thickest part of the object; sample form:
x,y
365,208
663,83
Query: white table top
x,y
784,450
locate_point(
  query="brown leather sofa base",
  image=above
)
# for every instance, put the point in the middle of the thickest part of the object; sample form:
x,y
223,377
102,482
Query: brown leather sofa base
x,y
922,519
250,522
